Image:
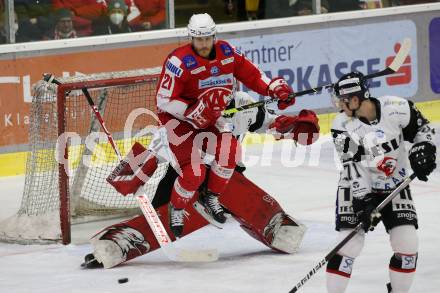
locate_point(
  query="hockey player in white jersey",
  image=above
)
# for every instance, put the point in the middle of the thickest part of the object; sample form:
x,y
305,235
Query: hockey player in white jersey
x,y
369,135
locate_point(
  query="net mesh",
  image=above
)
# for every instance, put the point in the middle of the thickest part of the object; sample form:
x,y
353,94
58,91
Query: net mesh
x,y
125,110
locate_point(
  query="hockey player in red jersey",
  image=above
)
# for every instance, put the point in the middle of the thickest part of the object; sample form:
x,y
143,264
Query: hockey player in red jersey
x,y
369,135
195,86
258,213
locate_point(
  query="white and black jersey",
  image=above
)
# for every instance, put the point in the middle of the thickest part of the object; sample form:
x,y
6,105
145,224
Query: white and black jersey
x,y
373,153
255,119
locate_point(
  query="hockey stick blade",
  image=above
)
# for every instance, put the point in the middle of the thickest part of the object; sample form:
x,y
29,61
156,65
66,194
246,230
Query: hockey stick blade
x,y
344,241
397,62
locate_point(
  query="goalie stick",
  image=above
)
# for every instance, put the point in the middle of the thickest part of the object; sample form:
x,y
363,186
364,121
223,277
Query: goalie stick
x,y
145,204
392,68
360,226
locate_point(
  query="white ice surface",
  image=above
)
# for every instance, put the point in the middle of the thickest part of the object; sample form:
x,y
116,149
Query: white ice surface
x,y
306,192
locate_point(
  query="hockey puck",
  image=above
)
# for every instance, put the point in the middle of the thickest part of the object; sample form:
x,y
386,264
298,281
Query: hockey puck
x,y
123,280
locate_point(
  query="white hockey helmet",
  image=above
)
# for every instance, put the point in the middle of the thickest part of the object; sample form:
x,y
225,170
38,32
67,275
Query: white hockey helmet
x,y
201,25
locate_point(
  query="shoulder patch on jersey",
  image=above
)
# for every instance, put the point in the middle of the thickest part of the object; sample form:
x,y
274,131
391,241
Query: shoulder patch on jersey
x,y
173,66
198,70
227,60
226,49
190,61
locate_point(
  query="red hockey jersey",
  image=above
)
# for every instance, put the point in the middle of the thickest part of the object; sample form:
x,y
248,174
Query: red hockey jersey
x,y
187,77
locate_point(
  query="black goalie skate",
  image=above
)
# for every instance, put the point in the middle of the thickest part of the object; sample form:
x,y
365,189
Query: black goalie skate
x,y
209,207
90,262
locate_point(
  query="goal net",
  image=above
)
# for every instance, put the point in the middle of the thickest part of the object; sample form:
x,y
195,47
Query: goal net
x,y
70,156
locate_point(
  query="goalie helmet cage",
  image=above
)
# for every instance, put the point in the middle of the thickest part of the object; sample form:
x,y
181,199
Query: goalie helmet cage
x,y
68,161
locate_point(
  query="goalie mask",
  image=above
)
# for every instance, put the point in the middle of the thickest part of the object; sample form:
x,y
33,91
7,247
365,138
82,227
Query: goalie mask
x,y
349,85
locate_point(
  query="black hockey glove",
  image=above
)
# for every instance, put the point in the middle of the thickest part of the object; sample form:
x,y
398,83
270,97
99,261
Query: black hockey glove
x,y
422,159
364,207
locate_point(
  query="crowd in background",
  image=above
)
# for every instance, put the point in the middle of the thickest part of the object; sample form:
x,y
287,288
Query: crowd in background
x,y
37,20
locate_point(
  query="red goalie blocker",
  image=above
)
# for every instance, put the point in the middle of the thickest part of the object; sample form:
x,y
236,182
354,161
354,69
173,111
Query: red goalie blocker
x,y
258,213
132,172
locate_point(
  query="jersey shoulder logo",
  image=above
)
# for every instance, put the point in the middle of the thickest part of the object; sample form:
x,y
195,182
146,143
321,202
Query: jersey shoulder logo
x,y
190,61
173,66
226,49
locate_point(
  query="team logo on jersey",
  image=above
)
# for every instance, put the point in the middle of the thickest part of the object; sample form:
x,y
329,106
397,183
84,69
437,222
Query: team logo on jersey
x,y
174,69
189,61
217,98
215,70
387,165
221,80
226,49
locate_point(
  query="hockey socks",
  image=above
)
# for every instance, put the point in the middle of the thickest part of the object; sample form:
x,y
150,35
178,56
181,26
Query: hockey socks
x,y
338,273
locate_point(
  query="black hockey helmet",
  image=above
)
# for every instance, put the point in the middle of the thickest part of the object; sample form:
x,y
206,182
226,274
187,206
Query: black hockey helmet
x,y
351,84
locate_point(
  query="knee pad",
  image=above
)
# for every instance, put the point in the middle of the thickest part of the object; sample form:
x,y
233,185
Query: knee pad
x,y
354,247
340,265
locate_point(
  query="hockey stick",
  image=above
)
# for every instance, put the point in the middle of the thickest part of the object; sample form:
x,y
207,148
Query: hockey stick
x,y
146,206
392,68
387,200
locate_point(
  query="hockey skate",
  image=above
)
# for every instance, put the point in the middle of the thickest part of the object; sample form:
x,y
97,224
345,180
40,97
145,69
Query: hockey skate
x,y
90,262
176,220
209,207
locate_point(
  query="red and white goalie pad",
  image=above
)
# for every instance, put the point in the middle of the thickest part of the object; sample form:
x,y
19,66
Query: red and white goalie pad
x,y
258,213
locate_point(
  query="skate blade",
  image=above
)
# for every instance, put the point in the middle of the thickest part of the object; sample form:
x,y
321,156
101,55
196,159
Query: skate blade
x,y
201,210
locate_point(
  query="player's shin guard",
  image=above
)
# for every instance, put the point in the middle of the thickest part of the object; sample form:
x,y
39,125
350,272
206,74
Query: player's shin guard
x,y
339,270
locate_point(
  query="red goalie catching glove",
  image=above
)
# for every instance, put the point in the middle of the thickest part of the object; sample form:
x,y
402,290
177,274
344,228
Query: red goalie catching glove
x,y
303,128
279,89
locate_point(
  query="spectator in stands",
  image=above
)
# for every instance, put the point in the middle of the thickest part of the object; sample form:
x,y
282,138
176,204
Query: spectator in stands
x,y
115,22
34,18
63,28
20,29
152,14
84,12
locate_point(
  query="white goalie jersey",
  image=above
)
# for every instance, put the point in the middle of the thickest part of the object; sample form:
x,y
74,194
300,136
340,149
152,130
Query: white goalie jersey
x,y
373,153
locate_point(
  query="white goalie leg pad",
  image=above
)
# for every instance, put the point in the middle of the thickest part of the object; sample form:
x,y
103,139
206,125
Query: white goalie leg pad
x,y
107,252
288,238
